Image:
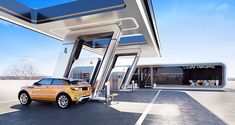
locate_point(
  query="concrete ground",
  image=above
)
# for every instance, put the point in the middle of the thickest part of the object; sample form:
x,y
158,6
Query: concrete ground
x,y
147,107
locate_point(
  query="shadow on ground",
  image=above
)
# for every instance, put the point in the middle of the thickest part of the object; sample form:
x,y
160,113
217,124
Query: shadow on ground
x,y
98,113
90,113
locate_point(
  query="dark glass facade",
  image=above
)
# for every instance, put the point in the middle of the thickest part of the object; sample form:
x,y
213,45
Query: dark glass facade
x,y
194,76
168,75
197,75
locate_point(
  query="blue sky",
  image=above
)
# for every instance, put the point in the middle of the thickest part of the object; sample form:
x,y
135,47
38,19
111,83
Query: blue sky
x,y
197,31
190,31
23,46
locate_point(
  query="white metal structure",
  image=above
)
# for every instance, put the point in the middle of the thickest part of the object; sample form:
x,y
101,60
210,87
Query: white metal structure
x,y
129,18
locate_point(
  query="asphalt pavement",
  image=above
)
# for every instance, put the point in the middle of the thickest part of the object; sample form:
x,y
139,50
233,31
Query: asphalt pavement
x,y
143,106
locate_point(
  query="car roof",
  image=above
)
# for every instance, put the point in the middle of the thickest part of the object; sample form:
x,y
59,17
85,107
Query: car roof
x,y
55,78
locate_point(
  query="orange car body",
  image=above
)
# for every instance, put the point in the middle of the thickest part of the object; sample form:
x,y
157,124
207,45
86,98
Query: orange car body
x,y
76,92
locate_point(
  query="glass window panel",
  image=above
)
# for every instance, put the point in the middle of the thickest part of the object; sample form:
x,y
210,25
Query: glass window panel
x,y
120,71
135,39
59,82
45,82
201,75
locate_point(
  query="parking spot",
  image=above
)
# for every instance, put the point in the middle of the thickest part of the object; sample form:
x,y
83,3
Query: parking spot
x,y
147,109
127,111
175,107
167,107
7,101
5,106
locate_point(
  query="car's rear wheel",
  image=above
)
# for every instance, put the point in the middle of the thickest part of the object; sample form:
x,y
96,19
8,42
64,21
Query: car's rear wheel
x,y
63,101
24,98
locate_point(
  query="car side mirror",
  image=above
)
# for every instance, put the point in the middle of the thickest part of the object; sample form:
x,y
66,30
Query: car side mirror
x,y
36,83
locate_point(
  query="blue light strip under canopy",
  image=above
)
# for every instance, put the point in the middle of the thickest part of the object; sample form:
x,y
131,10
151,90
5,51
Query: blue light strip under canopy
x,y
39,4
135,39
52,11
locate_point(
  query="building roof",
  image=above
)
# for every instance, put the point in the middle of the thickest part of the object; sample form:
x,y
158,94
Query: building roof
x,y
58,19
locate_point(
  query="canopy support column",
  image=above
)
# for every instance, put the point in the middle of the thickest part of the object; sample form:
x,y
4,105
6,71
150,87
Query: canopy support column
x,y
107,61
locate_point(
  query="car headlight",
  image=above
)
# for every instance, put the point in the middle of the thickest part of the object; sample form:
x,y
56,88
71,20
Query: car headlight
x,y
75,88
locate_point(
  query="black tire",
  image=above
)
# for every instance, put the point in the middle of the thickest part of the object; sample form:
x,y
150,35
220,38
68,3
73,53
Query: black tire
x,y
84,101
24,98
63,101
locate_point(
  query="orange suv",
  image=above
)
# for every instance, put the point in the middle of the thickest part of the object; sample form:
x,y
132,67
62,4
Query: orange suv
x,y
62,91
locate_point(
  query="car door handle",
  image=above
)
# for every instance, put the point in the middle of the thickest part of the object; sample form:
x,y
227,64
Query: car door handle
x,y
30,87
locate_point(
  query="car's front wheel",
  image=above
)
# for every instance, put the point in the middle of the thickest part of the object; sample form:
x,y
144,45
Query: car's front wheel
x,y
24,98
63,101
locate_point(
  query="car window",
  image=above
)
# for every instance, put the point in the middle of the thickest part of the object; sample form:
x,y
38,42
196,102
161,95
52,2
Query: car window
x,y
59,82
79,82
45,82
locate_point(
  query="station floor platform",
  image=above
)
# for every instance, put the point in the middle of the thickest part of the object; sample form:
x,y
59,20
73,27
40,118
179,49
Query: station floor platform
x,y
146,107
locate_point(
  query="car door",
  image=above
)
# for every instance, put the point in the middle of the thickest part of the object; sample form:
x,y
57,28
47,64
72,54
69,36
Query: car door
x,y
56,87
40,90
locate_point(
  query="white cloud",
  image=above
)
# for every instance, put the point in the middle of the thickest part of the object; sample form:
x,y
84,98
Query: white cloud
x,y
222,7
211,6
26,60
44,66
218,7
18,60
